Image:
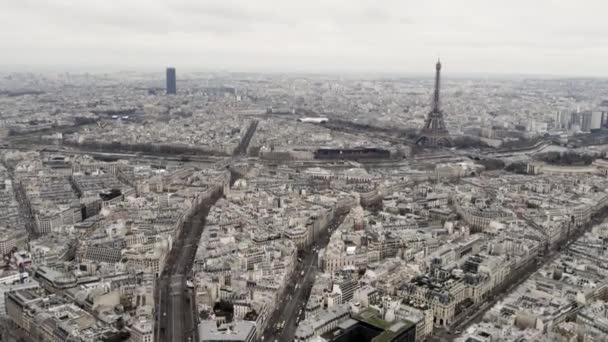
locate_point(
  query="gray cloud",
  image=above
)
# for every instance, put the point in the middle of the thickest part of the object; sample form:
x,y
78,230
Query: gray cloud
x,y
518,36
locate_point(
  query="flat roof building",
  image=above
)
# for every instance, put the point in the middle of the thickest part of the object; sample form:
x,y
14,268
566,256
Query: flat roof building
x,y
243,331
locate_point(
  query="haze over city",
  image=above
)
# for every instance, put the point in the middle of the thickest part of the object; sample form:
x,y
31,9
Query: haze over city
x,y
479,37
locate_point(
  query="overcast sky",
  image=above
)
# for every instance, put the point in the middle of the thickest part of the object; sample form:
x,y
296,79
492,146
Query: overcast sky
x,y
552,37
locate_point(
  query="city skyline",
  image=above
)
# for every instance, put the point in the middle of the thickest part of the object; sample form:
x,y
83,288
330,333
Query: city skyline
x,y
292,208
328,170
541,38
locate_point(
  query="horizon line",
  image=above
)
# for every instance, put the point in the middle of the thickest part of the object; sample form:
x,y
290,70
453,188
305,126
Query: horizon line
x,y
189,69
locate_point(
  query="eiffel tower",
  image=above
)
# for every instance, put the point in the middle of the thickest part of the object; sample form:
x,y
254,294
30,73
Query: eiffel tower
x,y
434,133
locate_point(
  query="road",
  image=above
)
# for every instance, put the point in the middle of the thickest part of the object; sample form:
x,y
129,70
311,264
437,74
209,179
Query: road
x,y
25,209
176,315
241,149
477,313
114,154
291,306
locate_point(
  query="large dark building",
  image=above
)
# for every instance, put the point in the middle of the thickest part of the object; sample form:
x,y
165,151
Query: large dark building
x,y
367,327
171,81
352,153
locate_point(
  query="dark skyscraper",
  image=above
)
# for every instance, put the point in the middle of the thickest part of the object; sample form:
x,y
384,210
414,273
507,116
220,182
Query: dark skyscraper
x,y
434,133
171,81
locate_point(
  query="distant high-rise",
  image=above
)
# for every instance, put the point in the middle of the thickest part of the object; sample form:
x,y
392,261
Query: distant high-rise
x,y
171,81
591,120
434,133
